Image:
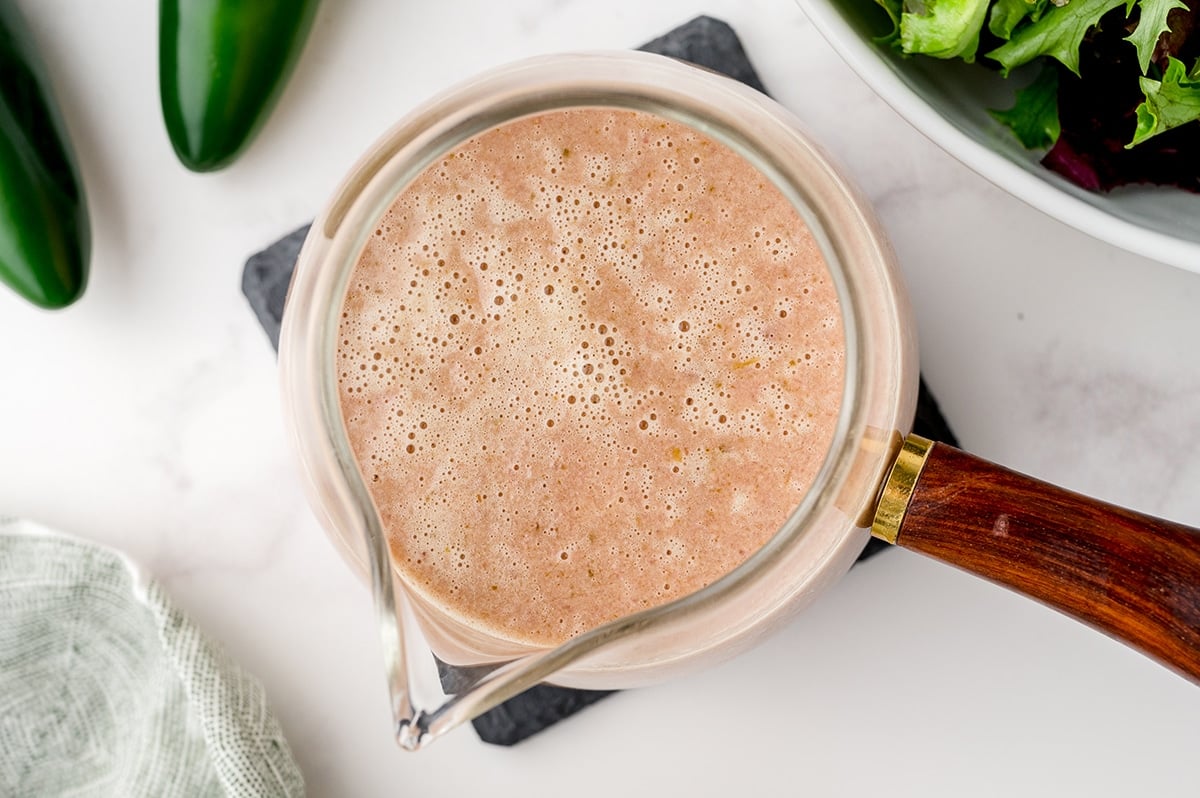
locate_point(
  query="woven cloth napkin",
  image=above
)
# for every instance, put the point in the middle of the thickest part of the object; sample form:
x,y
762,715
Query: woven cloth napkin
x,y
106,689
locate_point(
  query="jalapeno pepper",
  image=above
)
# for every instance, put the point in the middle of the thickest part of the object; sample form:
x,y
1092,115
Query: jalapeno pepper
x,y
222,66
45,238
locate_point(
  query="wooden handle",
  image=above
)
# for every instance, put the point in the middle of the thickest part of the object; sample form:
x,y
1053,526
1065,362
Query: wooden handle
x,y
1131,576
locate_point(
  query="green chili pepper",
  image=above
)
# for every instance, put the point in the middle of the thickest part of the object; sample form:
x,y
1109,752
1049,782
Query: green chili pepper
x,y
45,238
222,65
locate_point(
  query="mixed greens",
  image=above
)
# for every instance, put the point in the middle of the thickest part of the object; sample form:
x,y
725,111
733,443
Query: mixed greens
x,y
1116,98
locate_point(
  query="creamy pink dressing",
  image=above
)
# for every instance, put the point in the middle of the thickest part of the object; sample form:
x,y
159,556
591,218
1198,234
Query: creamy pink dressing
x,y
588,363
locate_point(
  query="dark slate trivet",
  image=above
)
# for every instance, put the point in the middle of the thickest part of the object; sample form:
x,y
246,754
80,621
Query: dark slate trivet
x,y
704,41
266,278
709,43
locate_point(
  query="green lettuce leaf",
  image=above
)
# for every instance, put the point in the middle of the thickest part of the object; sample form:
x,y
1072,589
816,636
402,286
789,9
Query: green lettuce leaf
x,y
893,9
1169,103
1034,116
1007,14
943,28
1151,24
1057,34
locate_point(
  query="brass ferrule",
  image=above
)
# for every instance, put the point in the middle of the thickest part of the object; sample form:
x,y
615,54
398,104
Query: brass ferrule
x,y
893,501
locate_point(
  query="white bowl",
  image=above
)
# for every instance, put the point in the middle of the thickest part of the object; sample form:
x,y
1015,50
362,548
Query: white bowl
x,y
948,102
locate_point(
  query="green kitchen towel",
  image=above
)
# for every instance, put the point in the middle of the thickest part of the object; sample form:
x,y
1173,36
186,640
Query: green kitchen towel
x,y
106,689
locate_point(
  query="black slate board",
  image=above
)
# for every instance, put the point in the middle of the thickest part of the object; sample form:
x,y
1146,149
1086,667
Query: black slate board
x,y
706,42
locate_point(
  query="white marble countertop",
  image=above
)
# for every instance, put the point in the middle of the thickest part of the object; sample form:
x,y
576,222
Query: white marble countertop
x,y
147,417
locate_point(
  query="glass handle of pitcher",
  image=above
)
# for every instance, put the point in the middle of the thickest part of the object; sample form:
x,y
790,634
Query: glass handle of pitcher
x,y
1129,575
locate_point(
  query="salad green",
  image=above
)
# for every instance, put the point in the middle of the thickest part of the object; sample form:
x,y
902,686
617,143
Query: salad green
x,y
1170,102
944,30
1034,117
1152,24
1117,97
1057,33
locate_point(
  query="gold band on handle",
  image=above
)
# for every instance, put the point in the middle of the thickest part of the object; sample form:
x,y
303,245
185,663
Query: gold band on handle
x,y
893,502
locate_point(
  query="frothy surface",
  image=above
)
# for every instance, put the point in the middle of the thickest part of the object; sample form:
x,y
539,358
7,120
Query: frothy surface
x,y
588,363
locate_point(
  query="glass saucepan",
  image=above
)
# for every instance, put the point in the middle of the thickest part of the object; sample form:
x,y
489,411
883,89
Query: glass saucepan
x,y
1131,576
